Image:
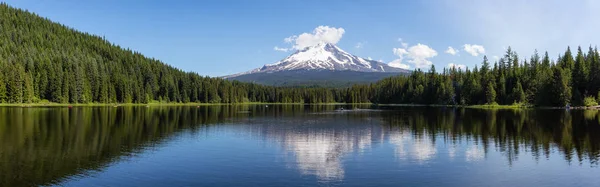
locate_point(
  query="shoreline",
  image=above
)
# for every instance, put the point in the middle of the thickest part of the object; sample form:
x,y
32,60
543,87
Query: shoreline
x,y
28,105
156,104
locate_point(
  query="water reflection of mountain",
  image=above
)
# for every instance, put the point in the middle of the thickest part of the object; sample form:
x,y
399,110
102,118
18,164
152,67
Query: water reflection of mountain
x,y
318,142
41,146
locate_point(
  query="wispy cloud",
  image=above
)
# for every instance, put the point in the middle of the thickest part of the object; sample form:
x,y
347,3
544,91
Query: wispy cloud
x,y
359,45
281,49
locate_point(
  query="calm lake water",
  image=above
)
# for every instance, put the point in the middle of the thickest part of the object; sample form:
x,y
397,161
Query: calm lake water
x,y
295,145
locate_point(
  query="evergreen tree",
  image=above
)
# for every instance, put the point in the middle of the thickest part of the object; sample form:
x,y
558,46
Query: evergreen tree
x,y
518,93
580,78
490,93
14,83
560,91
593,59
3,91
28,91
566,62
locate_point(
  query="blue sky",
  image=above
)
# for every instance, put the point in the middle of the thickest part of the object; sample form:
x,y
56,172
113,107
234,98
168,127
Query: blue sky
x,y
217,38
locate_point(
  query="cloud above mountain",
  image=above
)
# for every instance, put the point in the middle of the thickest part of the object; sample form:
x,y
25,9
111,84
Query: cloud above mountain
x,y
321,34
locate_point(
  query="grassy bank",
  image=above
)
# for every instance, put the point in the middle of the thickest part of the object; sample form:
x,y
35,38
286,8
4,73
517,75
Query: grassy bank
x,y
497,106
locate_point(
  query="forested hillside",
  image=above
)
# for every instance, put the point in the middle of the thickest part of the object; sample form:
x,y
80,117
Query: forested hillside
x,y
570,79
45,61
42,60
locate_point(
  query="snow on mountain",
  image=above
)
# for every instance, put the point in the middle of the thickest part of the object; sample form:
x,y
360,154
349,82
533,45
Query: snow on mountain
x,y
324,56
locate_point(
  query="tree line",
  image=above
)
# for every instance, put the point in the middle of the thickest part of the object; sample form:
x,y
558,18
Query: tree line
x,y
43,61
568,80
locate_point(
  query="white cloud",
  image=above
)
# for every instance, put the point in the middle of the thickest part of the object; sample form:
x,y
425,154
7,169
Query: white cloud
x,y
458,66
452,51
369,58
281,49
400,52
474,50
321,34
418,54
398,64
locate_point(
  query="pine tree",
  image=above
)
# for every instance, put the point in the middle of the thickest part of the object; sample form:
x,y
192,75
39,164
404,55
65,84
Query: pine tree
x,y
560,91
594,76
580,78
566,62
28,91
14,86
3,94
502,93
490,93
518,93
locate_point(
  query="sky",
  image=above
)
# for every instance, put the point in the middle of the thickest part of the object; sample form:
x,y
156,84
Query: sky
x,y
217,38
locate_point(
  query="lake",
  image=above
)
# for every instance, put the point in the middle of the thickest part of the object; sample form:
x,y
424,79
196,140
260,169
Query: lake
x,y
298,145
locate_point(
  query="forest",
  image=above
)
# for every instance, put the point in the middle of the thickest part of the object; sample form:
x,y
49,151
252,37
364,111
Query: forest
x,y
539,81
42,61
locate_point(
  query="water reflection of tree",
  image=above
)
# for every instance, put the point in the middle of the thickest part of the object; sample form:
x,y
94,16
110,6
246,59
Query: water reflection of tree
x,y
575,134
40,146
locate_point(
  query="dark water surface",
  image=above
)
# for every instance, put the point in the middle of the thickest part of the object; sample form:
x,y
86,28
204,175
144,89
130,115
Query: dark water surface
x,y
295,145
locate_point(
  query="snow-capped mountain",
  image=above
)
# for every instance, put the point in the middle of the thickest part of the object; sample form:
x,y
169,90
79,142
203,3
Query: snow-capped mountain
x,y
324,56
321,65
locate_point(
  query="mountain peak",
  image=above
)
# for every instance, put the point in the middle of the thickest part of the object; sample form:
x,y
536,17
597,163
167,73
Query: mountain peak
x,y
324,56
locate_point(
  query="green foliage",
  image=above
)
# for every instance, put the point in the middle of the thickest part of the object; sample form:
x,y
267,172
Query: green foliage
x,y
518,93
560,91
590,101
537,82
490,94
